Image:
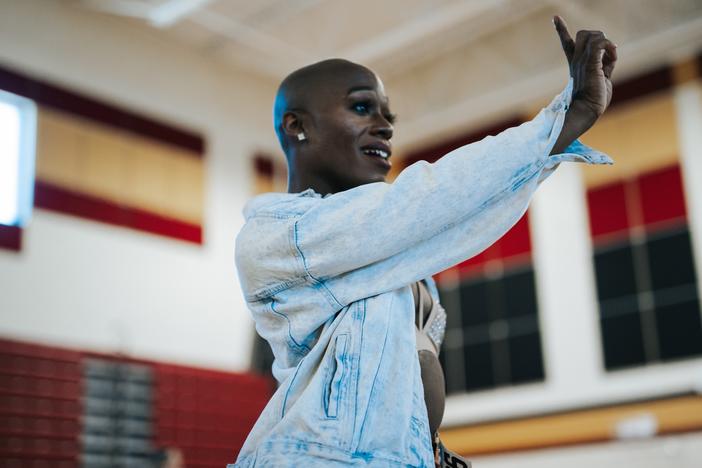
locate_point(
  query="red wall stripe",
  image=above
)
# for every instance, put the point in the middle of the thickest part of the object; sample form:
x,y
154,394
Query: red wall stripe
x,y
55,198
662,196
655,80
61,99
10,237
659,199
516,241
607,209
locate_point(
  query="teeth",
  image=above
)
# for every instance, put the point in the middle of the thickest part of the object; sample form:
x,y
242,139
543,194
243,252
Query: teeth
x,y
376,152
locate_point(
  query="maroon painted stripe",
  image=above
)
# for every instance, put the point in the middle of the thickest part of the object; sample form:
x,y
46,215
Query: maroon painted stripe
x,y
10,237
55,198
55,97
641,85
263,165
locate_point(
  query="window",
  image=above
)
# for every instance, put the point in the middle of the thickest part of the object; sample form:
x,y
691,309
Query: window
x,y
492,332
17,142
646,281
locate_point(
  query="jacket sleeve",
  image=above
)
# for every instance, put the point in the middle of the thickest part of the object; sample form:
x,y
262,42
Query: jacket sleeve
x,y
381,236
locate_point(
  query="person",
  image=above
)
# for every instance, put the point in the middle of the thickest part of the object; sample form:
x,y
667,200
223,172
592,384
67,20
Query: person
x,y
337,271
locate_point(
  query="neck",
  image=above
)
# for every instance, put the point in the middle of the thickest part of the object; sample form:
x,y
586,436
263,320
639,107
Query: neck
x,y
298,182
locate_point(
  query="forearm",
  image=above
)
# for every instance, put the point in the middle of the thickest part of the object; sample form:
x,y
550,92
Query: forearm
x,y
577,121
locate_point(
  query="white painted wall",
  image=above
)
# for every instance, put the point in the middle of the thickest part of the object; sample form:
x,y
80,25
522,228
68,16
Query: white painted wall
x,y
84,284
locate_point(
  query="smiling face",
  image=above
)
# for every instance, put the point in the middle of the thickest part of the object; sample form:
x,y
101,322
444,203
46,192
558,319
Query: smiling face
x,y
345,116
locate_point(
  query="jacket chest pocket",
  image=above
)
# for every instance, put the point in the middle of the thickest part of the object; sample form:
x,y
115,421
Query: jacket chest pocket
x,y
336,375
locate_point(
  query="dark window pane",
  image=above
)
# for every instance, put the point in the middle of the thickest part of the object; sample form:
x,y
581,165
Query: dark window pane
x,y
496,299
478,366
620,306
525,357
615,273
520,294
453,372
500,362
679,330
474,305
449,299
670,261
622,340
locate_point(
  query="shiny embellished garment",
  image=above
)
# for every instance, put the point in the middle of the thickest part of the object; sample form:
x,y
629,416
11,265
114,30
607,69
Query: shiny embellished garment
x,y
430,319
327,280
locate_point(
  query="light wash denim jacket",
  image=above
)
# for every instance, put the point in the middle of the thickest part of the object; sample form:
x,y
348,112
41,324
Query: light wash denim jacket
x,y
327,281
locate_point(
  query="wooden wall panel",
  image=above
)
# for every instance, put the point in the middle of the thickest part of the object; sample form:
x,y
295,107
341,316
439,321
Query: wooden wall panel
x,y
679,414
118,167
640,136
100,161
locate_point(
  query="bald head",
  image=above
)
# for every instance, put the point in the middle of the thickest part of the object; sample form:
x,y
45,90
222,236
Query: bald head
x,y
306,89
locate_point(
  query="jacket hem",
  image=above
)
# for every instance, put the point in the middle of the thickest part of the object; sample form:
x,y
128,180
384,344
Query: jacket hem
x,y
291,452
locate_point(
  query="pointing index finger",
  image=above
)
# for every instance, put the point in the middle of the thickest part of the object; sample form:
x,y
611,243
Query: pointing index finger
x,y
566,39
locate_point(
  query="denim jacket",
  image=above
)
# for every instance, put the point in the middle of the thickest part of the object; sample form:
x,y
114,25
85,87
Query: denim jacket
x,y
327,281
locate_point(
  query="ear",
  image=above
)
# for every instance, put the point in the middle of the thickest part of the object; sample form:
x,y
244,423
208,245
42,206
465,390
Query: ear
x,y
292,124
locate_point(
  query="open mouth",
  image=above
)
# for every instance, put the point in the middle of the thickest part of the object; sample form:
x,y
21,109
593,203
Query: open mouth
x,y
376,152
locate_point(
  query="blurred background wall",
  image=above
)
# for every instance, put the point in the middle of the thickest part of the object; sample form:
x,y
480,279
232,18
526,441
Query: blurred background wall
x,y
575,339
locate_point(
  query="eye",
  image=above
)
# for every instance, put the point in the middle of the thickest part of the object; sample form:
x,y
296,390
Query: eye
x,y
361,108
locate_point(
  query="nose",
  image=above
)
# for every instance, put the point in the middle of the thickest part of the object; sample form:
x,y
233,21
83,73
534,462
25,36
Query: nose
x,y
382,128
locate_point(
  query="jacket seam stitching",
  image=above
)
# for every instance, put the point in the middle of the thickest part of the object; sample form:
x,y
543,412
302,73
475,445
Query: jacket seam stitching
x,y
265,293
287,319
375,377
287,392
316,280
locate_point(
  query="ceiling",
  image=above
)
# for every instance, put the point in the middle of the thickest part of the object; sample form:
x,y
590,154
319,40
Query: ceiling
x,y
446,64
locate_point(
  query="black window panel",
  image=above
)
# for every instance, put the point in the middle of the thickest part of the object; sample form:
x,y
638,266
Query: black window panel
x,y
449,299
615,273
452,373
670,260
526,359
496,299
478,366
520,294
679,330
622,340
474,303
501,362
620,306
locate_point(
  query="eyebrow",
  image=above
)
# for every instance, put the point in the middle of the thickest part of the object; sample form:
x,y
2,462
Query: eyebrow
x,y
356,89
359,88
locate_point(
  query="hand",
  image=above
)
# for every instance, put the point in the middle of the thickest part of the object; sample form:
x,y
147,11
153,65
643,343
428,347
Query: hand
x,y
591,59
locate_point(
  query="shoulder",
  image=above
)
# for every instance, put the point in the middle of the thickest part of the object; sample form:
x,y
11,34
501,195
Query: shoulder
x,y
264,251
280,205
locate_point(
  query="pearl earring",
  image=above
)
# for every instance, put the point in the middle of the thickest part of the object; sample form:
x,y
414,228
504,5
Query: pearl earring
x,y
301,136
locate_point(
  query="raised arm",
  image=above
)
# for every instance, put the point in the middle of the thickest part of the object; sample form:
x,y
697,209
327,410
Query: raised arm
x,y
381,236
591,60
